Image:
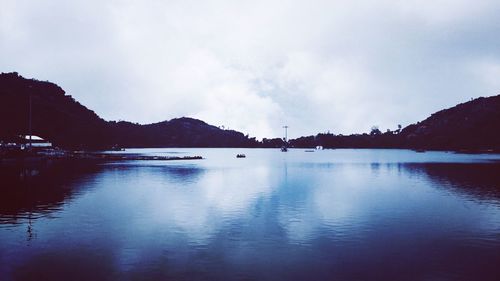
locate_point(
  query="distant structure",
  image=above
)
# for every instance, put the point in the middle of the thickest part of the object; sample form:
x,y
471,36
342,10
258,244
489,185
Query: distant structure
x,y
29,120
36,141
284,148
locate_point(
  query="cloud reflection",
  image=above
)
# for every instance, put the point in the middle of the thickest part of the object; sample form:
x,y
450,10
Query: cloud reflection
x,y
195,206
256,218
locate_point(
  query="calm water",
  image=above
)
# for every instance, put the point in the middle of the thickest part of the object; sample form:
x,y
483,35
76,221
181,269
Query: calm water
x,y
324,215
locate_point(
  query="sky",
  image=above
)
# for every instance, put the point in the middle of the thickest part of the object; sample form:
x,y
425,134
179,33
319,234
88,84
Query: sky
x,y
254,66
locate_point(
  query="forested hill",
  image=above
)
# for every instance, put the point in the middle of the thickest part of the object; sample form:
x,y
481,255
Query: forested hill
x,y
474,125
64,121
471,125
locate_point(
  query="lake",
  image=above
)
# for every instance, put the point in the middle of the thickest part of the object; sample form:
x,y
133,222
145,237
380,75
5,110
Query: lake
x,y
346,214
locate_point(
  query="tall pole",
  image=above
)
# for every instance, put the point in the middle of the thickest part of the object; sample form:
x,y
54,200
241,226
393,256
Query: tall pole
x,y
286,132
29,127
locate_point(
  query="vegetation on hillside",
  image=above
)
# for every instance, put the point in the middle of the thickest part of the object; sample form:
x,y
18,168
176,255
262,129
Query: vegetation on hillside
x,y
474,125
65,122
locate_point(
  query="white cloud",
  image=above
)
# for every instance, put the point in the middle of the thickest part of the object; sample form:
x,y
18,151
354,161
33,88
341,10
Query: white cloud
x,y
488,71
256,65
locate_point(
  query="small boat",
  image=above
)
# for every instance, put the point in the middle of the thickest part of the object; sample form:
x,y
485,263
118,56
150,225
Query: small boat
x,y
117,148
240,156
284,148
309,150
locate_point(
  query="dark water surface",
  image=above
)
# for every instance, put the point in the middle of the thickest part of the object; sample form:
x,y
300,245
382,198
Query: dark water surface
x,y
324,215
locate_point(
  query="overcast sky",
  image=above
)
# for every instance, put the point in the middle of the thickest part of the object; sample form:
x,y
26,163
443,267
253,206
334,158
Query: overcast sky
x,y
254,66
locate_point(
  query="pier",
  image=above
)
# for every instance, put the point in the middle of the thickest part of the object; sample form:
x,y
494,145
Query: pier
x,y
21,157
127,157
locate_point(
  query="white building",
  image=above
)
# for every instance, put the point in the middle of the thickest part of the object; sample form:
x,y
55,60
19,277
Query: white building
x,y
36,141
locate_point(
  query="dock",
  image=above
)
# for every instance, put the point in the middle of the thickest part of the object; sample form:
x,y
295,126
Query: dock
x,y
127,157
19,155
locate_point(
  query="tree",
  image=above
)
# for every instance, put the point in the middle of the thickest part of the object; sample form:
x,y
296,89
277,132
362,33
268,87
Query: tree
x,y
375,131
399,129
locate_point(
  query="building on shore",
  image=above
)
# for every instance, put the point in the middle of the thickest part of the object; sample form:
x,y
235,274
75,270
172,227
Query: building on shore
x,y
35,141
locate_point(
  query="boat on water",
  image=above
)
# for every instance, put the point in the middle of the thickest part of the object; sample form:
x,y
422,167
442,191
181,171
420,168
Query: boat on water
x,y
241,156
117,148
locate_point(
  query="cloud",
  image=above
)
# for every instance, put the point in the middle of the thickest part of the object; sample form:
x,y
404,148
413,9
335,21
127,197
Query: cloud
x,y
254,66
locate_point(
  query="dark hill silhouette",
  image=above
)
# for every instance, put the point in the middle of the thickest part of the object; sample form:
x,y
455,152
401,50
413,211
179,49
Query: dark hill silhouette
x,y
179,132
56,116
471,125
474,125
62,120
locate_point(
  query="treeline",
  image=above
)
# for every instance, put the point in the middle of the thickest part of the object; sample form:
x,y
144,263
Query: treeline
x,y
474,125
65,122
385,140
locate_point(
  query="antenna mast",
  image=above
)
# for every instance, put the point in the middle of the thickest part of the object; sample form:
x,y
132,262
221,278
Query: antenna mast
x,y
29,127
286,132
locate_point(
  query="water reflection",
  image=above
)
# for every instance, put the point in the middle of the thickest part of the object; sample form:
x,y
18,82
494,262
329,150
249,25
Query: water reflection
x,y
197,207
173,173
39,189
480,180
278,219
68,264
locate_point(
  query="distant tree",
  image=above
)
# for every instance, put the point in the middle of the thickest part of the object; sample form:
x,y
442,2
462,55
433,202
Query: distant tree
x,y
399,129
375,131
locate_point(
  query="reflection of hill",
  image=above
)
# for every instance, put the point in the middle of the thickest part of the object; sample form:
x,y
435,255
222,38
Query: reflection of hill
x,y
175,173
184,173
481,180
76,264
38,189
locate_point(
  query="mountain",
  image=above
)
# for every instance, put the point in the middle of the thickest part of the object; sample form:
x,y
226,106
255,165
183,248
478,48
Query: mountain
x,y
65,122
473,125
178,132
55,115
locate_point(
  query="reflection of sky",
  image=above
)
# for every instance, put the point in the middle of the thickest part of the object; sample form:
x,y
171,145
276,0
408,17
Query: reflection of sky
x,y
235,212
